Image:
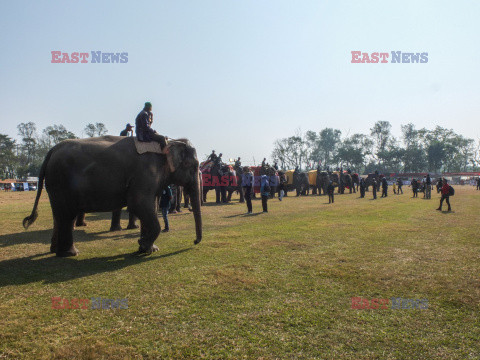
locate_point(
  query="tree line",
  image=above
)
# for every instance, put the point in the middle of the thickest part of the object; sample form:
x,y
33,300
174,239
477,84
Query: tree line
x,y
24,157
416,150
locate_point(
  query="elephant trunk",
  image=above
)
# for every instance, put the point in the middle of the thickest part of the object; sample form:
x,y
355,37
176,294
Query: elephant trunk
x,y
195,196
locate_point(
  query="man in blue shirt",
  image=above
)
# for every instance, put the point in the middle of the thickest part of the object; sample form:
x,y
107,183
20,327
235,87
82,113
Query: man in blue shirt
x,y
265,192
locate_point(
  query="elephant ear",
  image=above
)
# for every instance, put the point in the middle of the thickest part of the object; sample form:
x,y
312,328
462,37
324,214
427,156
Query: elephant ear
x,y
181,152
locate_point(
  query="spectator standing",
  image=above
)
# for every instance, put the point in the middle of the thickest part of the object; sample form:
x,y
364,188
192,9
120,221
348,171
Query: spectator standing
x,y
400,184
445,195
330,191
428,187
384,187
247,183
374,189
165,201
265,192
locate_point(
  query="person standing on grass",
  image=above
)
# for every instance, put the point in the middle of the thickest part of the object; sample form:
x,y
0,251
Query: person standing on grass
x,y
394,187
428,187
374,190
165,201
445,195
478,183
247,184
362,187
384,187
415,187
330,191
400,184
265,192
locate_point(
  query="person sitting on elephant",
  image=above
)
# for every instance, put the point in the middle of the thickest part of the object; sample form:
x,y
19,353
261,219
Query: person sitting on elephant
x,y
218,160
275,166
238,163
212,157
264,162
144,131
128,131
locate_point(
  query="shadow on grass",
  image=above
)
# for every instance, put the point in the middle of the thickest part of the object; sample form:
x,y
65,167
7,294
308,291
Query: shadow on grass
x,y
79,235
52,269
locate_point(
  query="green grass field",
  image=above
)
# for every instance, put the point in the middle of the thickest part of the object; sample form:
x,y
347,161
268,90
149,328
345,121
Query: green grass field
x,y
276,285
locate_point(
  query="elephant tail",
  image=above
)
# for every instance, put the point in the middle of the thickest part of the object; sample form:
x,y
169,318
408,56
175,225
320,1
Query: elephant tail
x,y
29,220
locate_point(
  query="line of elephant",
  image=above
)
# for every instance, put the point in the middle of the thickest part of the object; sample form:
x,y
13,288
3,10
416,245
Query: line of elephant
x,y
302,183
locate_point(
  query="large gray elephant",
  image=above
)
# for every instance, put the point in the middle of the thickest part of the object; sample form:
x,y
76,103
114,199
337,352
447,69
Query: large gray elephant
x,y
301,183
107,174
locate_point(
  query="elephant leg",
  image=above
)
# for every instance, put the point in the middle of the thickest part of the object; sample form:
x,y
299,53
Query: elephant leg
x,y
115,224
186,198
132,221
223,191
229,195
64,213
242,195
80,220
150,229
54,244
179,199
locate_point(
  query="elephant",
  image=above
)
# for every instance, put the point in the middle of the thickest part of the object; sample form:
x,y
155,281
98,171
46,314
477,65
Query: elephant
x,y
220,179
301,183
106,174
323,179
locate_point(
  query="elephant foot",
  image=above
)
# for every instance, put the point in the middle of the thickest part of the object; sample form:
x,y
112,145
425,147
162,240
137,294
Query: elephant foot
x,y
70,252
197,240
147,249
53,249
82,223
132,226
116,228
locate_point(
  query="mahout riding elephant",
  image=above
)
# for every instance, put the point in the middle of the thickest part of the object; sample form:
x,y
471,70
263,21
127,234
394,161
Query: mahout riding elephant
x,y
301,183
106,174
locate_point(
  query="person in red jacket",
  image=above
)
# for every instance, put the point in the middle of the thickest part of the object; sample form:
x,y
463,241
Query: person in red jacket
x,y
445,195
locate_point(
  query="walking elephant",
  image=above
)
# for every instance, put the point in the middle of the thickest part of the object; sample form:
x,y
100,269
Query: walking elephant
x,y
106,174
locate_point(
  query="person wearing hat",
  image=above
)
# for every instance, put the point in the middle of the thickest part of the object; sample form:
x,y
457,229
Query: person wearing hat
x,y
144,131
128,131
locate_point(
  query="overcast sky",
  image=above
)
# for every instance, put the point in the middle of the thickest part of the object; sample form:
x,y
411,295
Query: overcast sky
x,y
236,75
